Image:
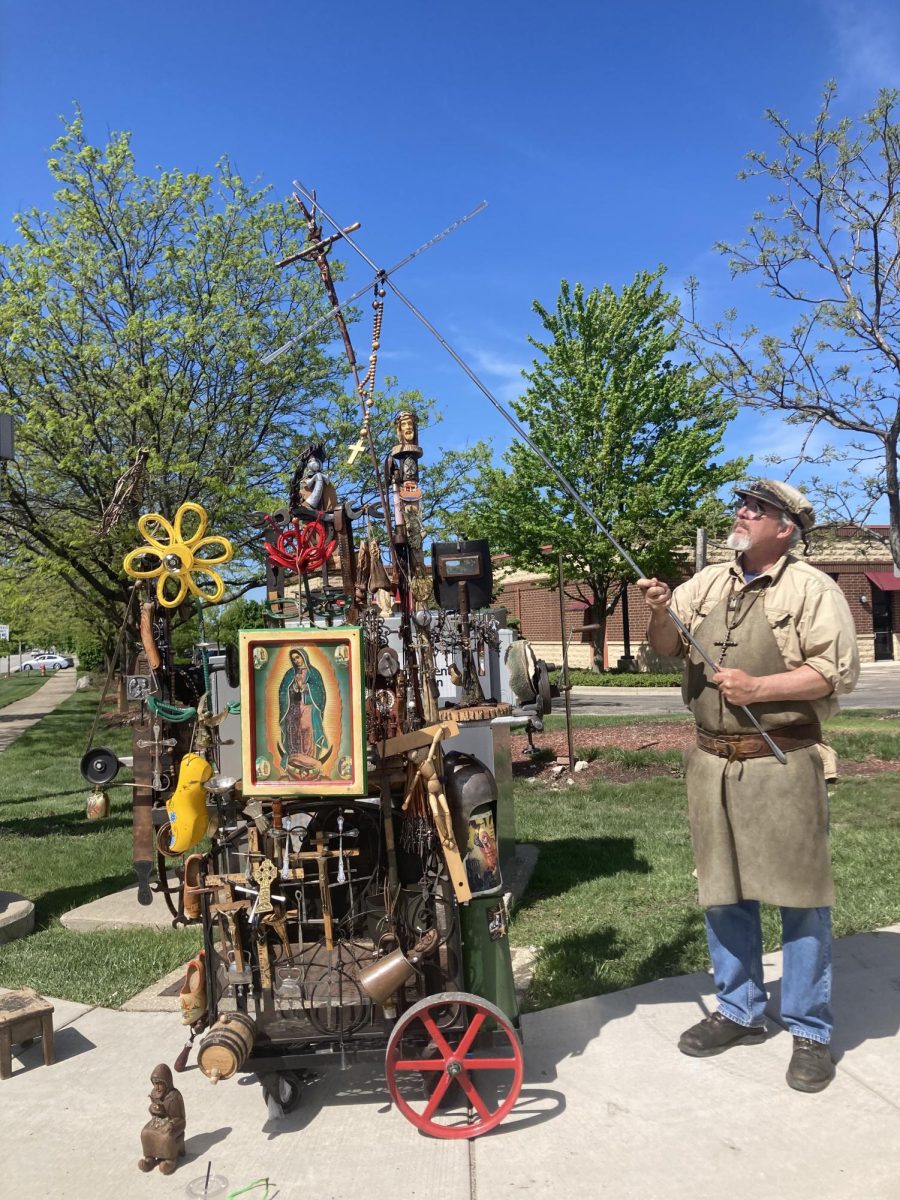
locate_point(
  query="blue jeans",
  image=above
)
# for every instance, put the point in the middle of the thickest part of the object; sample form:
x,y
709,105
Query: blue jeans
x,y
734,934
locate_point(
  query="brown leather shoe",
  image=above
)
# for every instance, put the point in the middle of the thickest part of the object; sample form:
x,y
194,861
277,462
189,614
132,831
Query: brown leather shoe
x,y
716,1033
812,1067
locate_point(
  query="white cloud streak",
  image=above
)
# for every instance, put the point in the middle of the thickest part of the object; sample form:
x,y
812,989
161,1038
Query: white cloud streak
x,y
867,41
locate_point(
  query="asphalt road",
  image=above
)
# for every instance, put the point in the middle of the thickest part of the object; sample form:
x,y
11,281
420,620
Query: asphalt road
x,y
878,687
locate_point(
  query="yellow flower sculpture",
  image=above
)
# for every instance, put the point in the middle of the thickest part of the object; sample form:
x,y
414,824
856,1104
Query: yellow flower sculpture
x,y
180,556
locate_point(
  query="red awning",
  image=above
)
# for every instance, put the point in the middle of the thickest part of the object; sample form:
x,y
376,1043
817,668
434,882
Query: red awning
x,y
886,580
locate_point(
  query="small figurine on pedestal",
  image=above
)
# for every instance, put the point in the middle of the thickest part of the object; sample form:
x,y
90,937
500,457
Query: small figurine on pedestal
x,y
162,1138
405,455
403,474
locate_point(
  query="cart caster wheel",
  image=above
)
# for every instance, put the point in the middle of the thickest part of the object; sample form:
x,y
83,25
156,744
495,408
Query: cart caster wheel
x,y
417,1047
281,1092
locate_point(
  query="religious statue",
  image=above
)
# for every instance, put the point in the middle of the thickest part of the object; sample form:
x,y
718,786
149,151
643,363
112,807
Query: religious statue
x,y
310,487
406,425
301,711
162,1138
406,496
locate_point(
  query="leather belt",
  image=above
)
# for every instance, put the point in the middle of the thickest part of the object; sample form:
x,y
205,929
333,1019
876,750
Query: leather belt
x,y
738,746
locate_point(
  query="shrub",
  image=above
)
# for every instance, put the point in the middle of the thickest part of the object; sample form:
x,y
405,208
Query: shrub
x,y
579,678
90,655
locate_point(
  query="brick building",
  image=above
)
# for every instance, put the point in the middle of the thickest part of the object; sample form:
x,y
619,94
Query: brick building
x,y
859,563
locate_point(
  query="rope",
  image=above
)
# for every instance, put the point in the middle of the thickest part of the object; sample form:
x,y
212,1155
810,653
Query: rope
x,y
177,713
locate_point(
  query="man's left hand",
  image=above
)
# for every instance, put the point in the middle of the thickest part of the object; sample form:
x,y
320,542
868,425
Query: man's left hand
x,y
736,686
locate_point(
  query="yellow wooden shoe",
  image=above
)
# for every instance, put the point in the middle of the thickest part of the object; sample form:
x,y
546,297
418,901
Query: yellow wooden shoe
x,y
186,807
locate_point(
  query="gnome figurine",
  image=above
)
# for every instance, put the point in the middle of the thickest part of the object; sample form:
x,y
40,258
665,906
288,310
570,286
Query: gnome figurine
x,y
162,1138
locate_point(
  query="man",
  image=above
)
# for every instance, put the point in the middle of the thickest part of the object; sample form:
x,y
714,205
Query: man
x,y
784,643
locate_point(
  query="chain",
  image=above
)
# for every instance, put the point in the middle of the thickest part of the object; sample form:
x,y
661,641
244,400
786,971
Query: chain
x,y
366,386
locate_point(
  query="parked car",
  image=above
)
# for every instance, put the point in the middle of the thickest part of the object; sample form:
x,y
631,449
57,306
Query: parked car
x,y
50,662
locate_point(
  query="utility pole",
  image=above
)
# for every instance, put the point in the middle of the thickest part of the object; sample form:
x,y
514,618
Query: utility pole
x,y
565,687
700,551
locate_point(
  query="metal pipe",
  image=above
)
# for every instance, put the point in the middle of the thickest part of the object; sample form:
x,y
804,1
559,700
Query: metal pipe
x,y
567,688
561,479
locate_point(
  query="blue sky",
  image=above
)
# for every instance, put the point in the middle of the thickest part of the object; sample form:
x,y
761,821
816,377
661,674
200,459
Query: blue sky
x,y
605,136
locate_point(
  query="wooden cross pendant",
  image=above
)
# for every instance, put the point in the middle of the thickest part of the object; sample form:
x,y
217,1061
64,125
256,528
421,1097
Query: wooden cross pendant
x,y
358,447
725,646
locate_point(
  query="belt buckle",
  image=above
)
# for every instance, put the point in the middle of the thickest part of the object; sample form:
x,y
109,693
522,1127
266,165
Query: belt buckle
x,y
723,747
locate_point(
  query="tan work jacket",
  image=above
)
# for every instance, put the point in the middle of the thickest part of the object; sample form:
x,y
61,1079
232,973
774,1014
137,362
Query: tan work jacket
x,y
759,828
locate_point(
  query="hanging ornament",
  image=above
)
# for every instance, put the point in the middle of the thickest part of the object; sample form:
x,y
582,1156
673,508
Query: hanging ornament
x,y
366,386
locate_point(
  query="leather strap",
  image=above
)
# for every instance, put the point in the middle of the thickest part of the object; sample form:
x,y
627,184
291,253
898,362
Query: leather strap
x,y
738,746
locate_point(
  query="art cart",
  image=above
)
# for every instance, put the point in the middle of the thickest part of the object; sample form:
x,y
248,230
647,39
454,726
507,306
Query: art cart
x,y
346,871
348,927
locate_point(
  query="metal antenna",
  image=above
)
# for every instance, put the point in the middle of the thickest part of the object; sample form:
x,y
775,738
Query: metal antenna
x,y
379,274
561,479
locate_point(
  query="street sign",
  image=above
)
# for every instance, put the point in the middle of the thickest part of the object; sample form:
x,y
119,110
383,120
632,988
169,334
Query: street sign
x,y
4,633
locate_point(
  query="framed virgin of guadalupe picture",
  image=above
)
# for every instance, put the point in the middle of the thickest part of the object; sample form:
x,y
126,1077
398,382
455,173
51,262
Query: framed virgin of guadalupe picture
x,y
303,712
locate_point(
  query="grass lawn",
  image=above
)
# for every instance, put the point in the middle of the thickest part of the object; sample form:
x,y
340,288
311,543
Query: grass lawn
x,y
612,902
17,687
50,853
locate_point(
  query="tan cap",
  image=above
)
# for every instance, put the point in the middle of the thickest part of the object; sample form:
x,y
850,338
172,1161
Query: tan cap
x,y
783,496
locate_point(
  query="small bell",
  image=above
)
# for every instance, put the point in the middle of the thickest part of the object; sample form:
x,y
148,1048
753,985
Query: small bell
x,y
378,576
97,806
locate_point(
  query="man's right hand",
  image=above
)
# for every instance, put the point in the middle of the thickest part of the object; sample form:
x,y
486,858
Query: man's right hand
x,y
661,632
658,595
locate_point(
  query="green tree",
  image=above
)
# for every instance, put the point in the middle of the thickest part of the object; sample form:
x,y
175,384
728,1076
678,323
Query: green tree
x,y
241,614
634,432
827,241
134,315
38,616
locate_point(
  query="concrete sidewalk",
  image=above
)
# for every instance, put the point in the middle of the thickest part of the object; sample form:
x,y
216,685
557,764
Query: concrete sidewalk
x,y
15,718
609,1108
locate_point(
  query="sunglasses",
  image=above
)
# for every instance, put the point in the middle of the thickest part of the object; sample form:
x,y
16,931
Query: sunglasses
x,y
758,508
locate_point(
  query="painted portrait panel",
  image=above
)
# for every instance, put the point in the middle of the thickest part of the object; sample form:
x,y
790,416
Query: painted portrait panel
x,y
302,712
482,857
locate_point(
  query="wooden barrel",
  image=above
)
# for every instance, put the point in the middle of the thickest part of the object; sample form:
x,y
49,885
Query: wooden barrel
x,y
225,1048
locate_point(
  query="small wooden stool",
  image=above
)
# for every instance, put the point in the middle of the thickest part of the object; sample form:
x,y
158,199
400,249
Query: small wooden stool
x,y
24,1015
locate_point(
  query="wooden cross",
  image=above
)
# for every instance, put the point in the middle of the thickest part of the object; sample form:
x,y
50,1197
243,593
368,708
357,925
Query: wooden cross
x,y
358,447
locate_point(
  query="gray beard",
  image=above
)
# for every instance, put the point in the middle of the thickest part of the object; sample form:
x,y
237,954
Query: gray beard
x,y
738,541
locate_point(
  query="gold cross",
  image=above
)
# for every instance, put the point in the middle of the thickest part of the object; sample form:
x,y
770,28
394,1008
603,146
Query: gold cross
x,y
264,873
359,447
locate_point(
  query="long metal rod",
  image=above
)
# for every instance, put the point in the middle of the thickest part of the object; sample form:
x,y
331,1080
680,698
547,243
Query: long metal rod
x,y
561,479
379,274
567,687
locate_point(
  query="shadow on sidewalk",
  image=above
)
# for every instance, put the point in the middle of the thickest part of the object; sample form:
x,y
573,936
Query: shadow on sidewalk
x,y
865,990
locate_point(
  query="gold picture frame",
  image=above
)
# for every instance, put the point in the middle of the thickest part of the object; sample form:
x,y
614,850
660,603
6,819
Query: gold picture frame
x,y
303,712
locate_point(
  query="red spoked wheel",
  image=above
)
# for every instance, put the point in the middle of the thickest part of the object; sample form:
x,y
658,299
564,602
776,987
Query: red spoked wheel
x,y
484,1080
